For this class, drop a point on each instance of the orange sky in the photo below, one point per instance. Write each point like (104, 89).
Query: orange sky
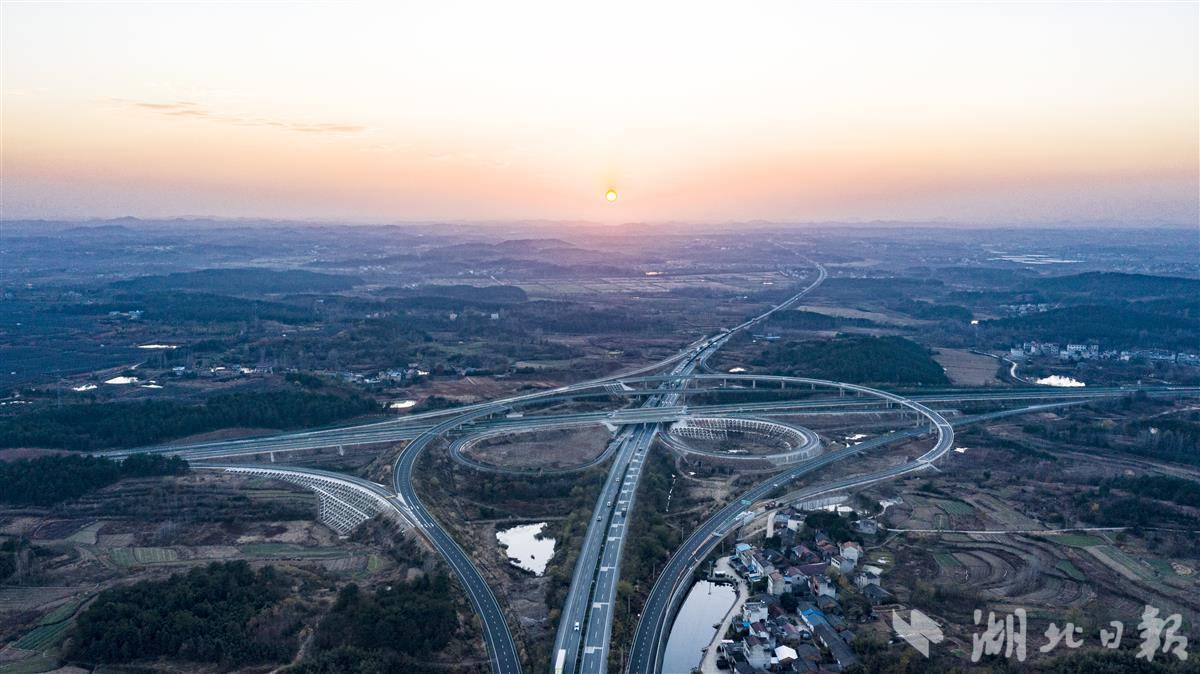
(692, 111)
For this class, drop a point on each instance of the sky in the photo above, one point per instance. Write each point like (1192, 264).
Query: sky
(691, 111)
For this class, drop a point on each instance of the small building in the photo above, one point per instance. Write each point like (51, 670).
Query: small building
(786, 655)
(821, 586)
(758, 651)
(866, 578)
(867, 527)
(776, 583)
(852, 551)
(876, 595)
(753, 611)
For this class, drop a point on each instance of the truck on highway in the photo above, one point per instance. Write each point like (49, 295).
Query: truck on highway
(560, 660)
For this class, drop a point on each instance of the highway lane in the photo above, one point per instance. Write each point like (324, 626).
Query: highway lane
(417, 427)
(585, 624)
(394, 431)
(585, 628)
(582, 619)
(502, 650)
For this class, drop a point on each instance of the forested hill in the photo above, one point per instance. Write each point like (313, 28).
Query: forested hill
(52, 479)
(136, 424)
(1113, 326)
(857, 359)
(1117, 286)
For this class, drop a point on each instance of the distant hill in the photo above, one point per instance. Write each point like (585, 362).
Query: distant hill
(241, 281)
(1114, 327)
(1115, 285)
(520, 245)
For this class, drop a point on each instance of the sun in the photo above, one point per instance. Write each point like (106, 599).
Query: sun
(611, 195)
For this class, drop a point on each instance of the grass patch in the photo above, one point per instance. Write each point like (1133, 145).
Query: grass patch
(1163, 567)
(1077, 540)
(138, 556)
(956, 508)
(946, 560)
(287, 550)
(61, 613)
(34, 665)
(881, 558)
(1121, 557)
(1071, 570)
(43, 636)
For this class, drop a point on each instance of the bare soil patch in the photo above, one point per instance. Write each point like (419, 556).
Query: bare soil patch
(555, 448)
(967, 369)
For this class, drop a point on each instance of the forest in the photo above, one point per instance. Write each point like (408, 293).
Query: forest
(1166, 438)
(53, 479)
(1115, 326)
(397, 626)
(204, 615)
(1178, 490)
(93, 426)
(891, 360)
(1116, 286)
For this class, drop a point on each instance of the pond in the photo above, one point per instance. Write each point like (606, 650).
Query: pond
(705, 606)
(525, 548)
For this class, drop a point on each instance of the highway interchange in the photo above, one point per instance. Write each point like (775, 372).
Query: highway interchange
(583, 637)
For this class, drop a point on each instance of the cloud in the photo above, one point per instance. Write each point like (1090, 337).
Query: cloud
(196, 110)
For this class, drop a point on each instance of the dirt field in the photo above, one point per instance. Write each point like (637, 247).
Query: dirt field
(150, 528)
(967, 369)
(745, 443)
(983, 534)
(556, 448)
(877, 317)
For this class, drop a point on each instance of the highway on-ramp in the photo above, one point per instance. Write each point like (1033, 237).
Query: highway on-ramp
(585, 624)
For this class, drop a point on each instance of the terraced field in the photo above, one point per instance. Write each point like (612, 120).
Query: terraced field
(43, 636)
(1069, 568)
(35, 665)
(51, 628)
(956, 508)
(288, 550)
(1077, 540)
(139, 556)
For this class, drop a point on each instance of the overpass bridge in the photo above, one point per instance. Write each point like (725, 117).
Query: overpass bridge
(345, 501)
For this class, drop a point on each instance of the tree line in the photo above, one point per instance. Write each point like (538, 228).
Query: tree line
(52, 479)
(134, 424)
(395, 628)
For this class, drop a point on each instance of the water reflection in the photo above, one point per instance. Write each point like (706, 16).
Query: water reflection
(706, 605)
(525, 549)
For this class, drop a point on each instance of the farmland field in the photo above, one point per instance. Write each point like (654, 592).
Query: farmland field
(134, 556)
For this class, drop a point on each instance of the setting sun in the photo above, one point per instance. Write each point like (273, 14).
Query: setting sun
(611, 195)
